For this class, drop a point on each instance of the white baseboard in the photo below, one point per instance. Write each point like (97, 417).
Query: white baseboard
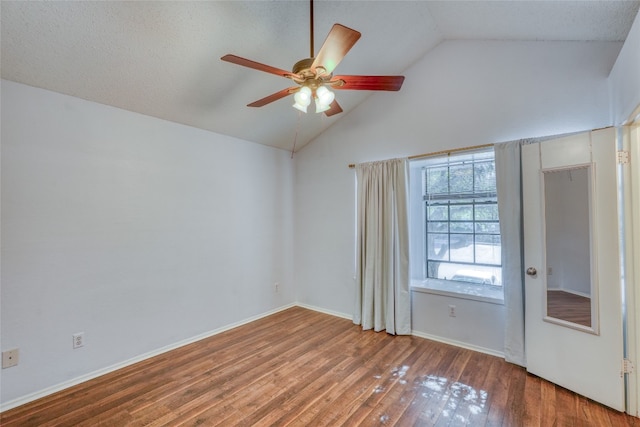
(415, 333)
(78, 380)
(325, 311)
(459, 344)
(91, 375)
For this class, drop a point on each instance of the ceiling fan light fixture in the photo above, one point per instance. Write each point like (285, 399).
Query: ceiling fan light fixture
(324, 98)
(325, 95)
(302, 108)
(302, 98)
(320, 107)
(312, 74)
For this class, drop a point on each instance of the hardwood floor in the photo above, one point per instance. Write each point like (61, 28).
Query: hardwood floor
(569, 307)
(303, 368)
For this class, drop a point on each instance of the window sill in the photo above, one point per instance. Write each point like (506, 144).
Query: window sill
(462, 290)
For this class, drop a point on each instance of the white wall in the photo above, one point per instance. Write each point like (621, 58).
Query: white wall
(138, 232)
(625, 77)
(460, 94)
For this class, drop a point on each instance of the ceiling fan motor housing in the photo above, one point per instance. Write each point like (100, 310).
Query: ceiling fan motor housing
(312, 78)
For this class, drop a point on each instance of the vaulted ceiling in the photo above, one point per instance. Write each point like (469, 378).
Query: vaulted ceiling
(162, 59)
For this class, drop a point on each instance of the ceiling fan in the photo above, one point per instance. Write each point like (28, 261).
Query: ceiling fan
(314, 75)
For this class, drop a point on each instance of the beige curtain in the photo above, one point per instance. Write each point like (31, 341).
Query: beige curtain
(383, 301)
(509, 186)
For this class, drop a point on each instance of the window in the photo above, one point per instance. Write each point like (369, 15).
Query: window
(460, 229)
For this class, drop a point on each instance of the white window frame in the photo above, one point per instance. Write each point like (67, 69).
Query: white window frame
(419, 228)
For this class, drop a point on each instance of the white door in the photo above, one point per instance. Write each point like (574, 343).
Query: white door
(573, 317)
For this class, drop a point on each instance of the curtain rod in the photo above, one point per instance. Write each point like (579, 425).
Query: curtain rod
(436, 153)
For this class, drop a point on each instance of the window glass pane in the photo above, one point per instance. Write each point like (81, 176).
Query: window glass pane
(438, 213)
(462, 221)
(488, 227)
(437, 227)
(461, 213)
(461, 178)
(461, 227)
(478, 275)
(485, 177)
(488, 249)
(437, 180)
(488, 239)
(461, 248)
(474, 274)
(486, 212)
(437, 246)
(435, 269)
(442, 270)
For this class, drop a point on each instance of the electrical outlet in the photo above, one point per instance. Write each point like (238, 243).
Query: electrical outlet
(10, 358)
(276, 286)
(78, 340)
(452, 311)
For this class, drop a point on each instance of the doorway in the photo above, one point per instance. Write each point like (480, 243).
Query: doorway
(573, 314)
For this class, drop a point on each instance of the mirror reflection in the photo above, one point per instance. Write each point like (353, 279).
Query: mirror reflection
(568, 245)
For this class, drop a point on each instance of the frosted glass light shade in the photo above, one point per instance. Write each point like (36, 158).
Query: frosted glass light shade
(302, 98)
(302, 108)
(320, 107)
(324, 98)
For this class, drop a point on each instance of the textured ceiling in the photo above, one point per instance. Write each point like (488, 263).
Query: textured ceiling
(163, 58)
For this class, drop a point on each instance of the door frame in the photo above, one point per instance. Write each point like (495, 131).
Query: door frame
(628, 140)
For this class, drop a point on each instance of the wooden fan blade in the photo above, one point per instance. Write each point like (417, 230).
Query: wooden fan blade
(334, 109)
(274, 97)
(367, 82)
(258, 66)
(339, 41)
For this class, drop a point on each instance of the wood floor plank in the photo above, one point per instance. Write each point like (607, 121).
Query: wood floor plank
(444, 401)
(366, 382)
(384, 382)
(300, 398)
(592, 414)
(515, 402)
(548, 410)
(567, 401)
(499, 394)
(427, 384)
(481, 414)
(303, 368)
(470, 396)
(403, 394)
(344, 379)
(532, 395)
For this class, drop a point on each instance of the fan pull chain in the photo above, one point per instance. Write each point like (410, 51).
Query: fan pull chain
(295, 138)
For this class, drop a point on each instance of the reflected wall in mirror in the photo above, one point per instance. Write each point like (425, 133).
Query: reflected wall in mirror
(570, 285)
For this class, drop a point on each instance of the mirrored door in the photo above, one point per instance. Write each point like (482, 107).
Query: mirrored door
(571, 250)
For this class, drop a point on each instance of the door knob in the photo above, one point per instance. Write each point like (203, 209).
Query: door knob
(531, 271)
